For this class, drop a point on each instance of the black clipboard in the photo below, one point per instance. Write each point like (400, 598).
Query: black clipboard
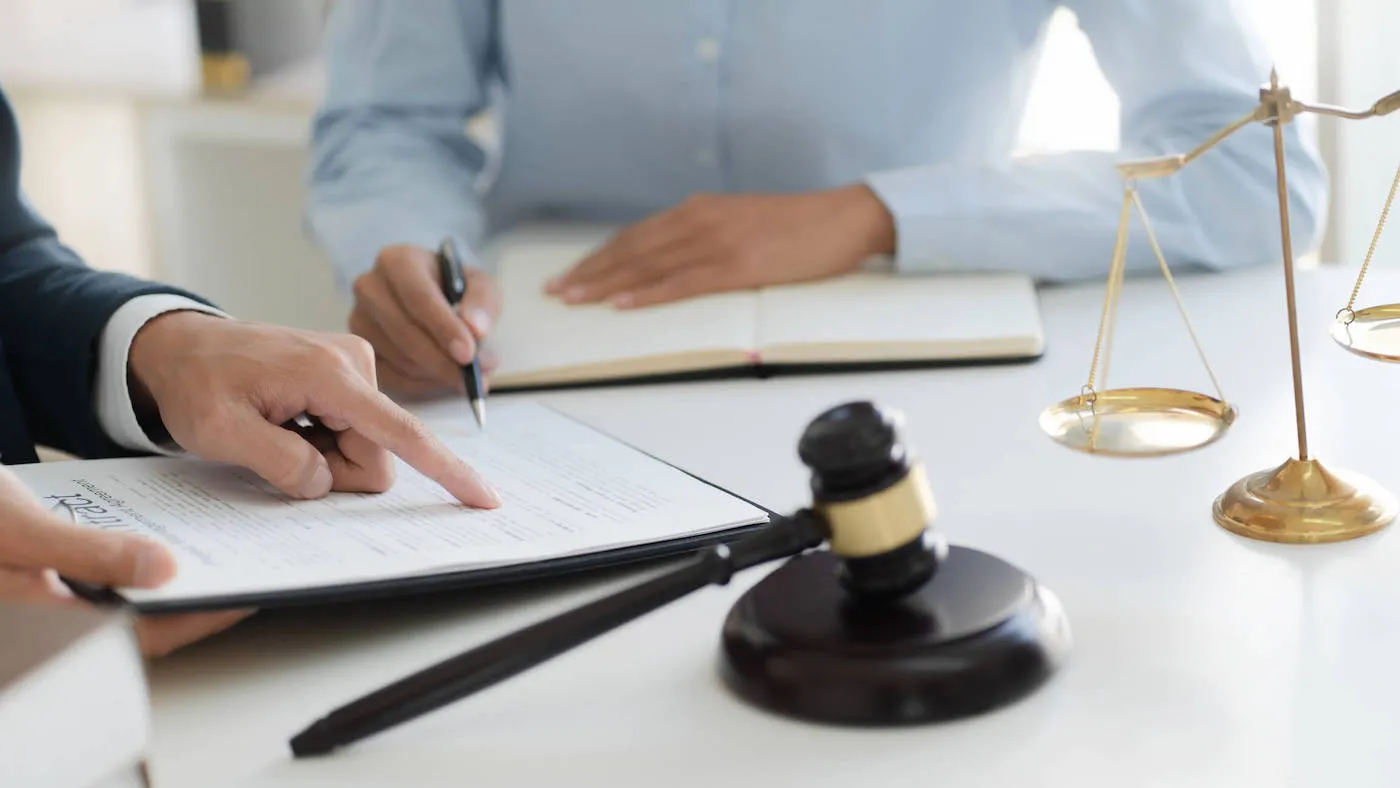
(441, 582)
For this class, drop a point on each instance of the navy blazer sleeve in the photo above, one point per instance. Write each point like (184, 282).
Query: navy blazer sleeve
(52, 311)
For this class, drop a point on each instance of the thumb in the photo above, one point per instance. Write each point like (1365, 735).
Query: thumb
(36, 540)
(281, 457)
(33, 538)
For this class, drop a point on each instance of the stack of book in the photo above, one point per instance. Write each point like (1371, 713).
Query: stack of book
(74, 706)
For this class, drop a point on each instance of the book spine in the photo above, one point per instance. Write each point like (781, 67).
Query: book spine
(224, 66)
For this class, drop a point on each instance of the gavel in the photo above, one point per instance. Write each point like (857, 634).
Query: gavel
(887, 625)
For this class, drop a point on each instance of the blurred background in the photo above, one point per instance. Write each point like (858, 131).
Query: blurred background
(151, 164)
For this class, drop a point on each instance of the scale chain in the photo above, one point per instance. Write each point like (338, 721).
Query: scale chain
(1176, 294)
(1375, 239)
(1110, 302)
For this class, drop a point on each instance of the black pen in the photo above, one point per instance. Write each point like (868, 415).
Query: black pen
(454, 287)
(471, 671)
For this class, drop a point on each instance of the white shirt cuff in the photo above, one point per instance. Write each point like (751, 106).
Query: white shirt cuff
(115, 412)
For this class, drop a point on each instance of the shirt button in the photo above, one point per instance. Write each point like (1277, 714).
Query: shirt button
(705, 158)
(707, 49)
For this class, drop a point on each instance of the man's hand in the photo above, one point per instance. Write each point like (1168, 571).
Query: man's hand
(420, 341)
(714, 243)
(37, 546)
(224, 388)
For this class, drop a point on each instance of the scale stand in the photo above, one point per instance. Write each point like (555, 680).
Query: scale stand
(1299, 500)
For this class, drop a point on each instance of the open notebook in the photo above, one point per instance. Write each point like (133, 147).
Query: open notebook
(870, 319)
(575, 498)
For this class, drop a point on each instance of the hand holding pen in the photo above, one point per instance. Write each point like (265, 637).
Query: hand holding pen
(422, 342)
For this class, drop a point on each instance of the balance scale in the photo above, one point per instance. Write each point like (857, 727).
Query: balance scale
(1300, 500)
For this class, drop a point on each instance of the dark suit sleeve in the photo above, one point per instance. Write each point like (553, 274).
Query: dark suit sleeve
(52, 311)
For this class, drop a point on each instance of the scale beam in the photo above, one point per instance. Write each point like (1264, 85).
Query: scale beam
(1384, 106)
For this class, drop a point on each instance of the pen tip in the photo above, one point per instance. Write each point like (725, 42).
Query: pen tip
(479, 408)
(315, 740)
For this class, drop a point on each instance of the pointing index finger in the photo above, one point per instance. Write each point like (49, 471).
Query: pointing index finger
(372, 414)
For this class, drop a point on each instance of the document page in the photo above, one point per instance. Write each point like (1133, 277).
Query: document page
(567, 488)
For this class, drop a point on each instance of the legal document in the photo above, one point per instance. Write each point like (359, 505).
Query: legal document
(568, 489)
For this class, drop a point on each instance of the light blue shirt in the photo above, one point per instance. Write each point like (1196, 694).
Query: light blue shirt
(610, 110)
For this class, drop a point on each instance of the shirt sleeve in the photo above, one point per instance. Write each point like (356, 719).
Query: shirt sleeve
(115, 410)
(1182, 69)
(392, 161)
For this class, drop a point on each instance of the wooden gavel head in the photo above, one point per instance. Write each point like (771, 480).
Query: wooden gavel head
(875, 499)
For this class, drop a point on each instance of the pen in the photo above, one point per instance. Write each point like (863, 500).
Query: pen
(471, 671)
(454, 287)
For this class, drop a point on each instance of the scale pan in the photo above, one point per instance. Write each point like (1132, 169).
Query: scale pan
(1374, 332)
(1138, 422)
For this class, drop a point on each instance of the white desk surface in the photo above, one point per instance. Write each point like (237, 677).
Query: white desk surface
(1201, 659)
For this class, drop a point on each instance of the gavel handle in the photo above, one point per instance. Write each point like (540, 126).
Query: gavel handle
(493, 662)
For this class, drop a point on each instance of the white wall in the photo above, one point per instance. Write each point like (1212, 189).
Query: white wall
(74, 70)
(82, 169)
(142, 45)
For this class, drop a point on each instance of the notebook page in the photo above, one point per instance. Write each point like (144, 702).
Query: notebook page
(567, 488)
(886, 316)
(539, 336)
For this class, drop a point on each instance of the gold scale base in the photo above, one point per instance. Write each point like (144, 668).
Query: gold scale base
(1302, 502)
(1297, 502)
